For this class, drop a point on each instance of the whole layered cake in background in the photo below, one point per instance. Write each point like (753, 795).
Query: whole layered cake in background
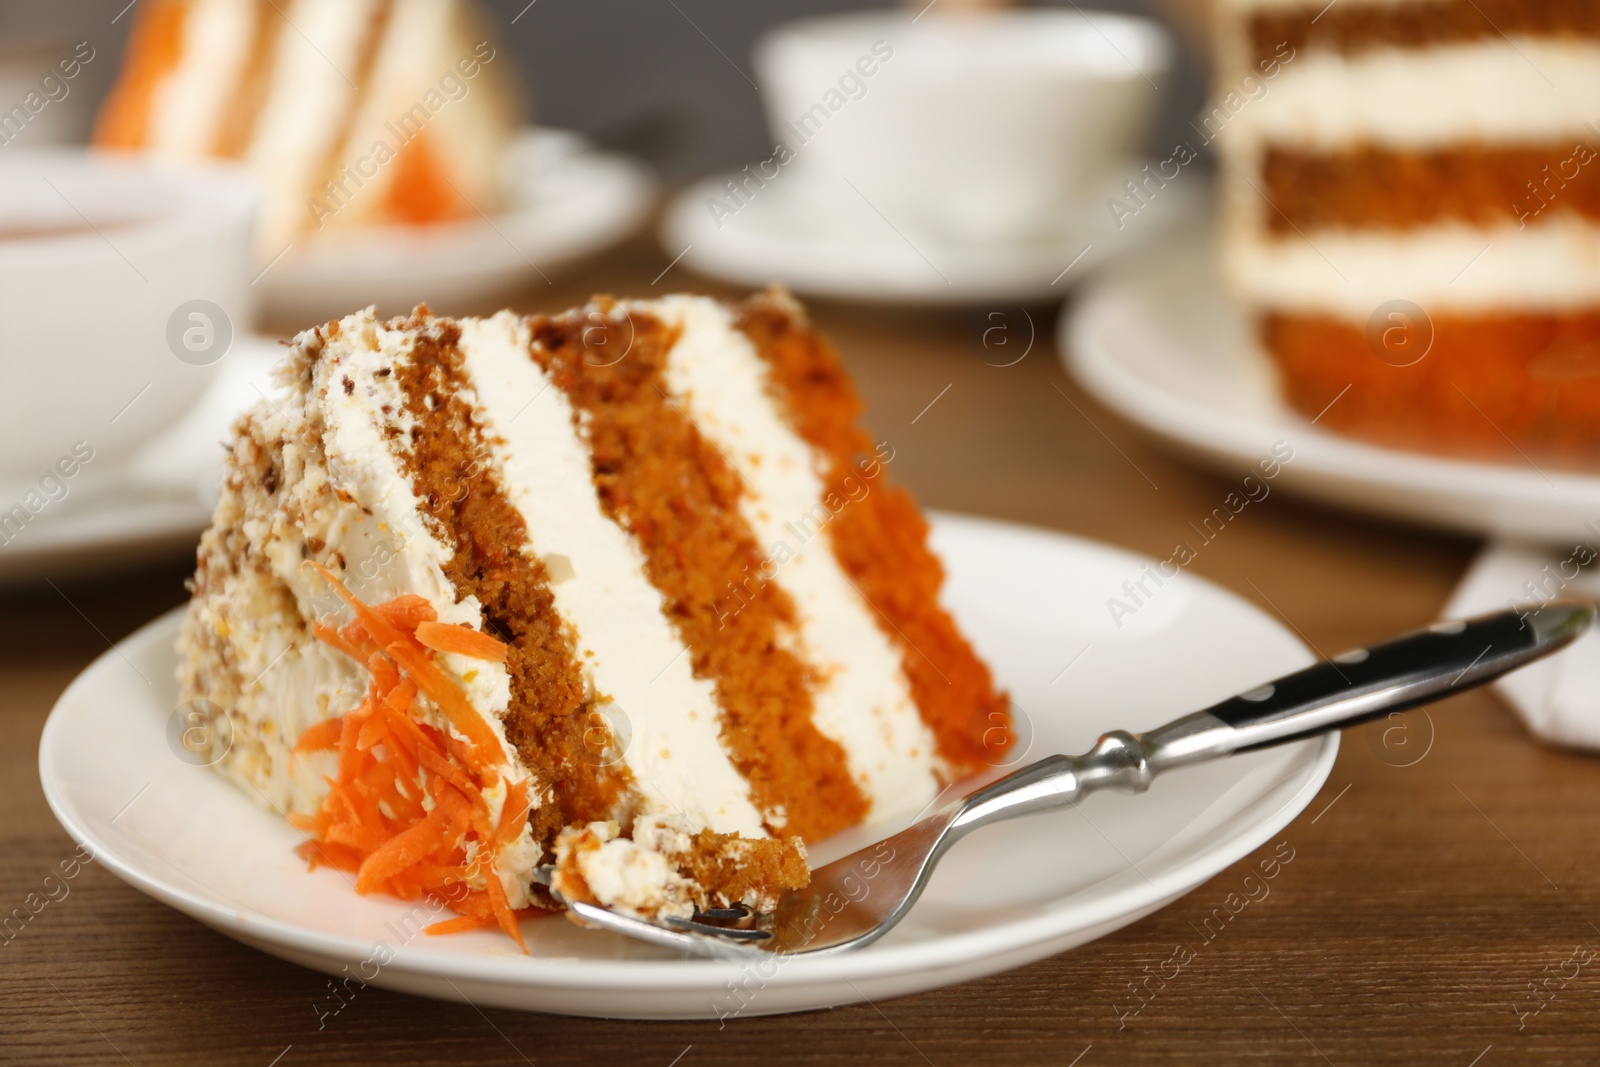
(624, 594)
(353, 112)
(1411, 211)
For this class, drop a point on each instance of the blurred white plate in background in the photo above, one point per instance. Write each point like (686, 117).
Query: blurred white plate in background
(148, 506)
(1158, 341)
(568, 201)
(833, 243)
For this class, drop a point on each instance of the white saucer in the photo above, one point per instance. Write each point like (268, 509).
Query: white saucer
(1008, 895)
(831, 243)
(569, 200)
(1157, 341)
(151, 505)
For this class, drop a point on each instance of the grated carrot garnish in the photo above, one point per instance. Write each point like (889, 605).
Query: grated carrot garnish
(318, 738)
(437, 687)
(502, 911)
(513, 814)
(405, 849)
(384, 675)
(405, 806)
(333, 638)
(462, 640)
(406, 612)
(459, 924)
(414, 660)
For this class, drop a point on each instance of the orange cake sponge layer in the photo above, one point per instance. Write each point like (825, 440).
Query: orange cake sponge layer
(1367, 186)
(1495, 386)
(1352, 27)
(969, 716)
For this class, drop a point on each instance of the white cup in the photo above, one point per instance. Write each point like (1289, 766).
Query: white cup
(122, 285)
(974, 128)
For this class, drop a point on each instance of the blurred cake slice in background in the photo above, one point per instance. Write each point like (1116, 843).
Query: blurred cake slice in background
(1411, 212)
(353, 112)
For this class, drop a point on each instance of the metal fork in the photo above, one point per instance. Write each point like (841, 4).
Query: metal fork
(852, 902)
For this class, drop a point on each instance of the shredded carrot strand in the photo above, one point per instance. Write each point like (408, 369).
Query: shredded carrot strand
(382, 631)
(403, 850)
(462, 640)
(406, 612)
(384, 674)
(405, 807)
(335, 639)
(513, 814)
(417, 663)
(372, 733)
(459, 924)
(439, 765)
(321, 737)
(502, 908)
(414, 660)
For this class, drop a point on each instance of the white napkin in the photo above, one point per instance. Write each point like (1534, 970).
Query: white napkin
(1558, 697)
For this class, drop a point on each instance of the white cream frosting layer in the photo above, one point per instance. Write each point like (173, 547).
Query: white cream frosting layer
(188, 111)
(409, 61)
(672, 732)
(309, 93)
(1518, 90)
(417, 89)
(863, 701)
(1551, 265)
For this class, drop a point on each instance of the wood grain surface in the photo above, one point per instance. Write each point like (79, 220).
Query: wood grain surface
(1425, 899)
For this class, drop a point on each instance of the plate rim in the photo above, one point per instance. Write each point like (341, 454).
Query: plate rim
(679, 975)
(1196, 426)
(637, 192)
(674, 230)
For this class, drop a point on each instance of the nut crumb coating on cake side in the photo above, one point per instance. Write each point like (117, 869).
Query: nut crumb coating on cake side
(688, 584)
(297, 488)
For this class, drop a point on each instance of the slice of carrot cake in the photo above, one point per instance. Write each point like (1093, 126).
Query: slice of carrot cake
(625, 590)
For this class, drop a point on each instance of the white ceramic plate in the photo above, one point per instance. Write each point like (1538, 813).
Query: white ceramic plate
(1010, 894)
(1156, 340)
(568, 201)
(152, 504)
(830, 242)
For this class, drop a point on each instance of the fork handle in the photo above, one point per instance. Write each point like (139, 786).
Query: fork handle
(1445, 658)
(1365, 683)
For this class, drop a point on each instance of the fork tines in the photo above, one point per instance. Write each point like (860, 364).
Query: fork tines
(710, 920)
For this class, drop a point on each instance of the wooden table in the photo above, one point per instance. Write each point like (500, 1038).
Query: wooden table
(1420, 904)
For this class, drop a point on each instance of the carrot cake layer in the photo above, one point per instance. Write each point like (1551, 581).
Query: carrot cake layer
(660, 479)
(1386, 188)
(552, 722)
(483, 596)
(870, 520)
(1503, 386)
(351, 112)
(1353, 26)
